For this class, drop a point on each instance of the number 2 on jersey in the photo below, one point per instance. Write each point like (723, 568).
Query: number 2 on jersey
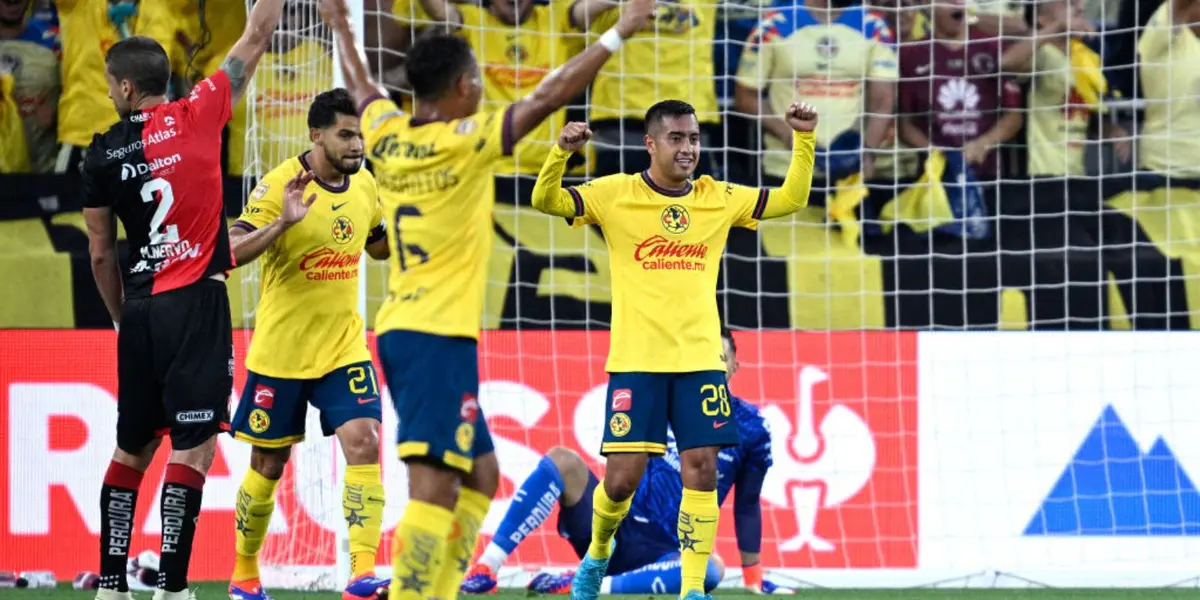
(159, 190)
(407, 210)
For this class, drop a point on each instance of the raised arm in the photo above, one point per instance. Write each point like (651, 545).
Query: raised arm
(793, 194)
(242, 59)
(569, 80)
(358, 79)
(548, 194)
(584, 12)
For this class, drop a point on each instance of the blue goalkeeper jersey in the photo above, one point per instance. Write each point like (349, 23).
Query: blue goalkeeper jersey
(661, 490)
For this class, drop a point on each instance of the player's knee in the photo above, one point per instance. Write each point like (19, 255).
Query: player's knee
(199, 458)
(269, 462)
(485, 475)
(567, 461)
(623, 474)
(140, 459)
(360, 441)
(698, 469)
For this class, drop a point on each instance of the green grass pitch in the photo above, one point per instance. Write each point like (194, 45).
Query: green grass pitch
(216, 591)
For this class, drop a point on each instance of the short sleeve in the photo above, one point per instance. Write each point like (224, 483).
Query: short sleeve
(375, 112)
(264, 206)
(882, 62)
(757, 61)
(1154, 40)
(590, 201)
(210, 102)
(494, 130)
(1051, 72)
(745, 204)
(603, 21)
(95, 190)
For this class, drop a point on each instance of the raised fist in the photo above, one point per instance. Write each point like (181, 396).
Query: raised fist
(573, 136)
(801, 116)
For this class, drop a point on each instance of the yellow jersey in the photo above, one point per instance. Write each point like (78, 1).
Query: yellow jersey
(672, 57)
(793, 56)
(513, 60)
(308, 322)
(1057, 133)
(87, 33)
(437, 188)
(285, 83)
(1170, 73)
(664, 251)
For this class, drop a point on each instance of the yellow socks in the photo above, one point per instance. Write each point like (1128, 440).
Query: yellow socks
(606, 517)
(417, 548)
(698, 515)
(469, 512)
(255, 503)
(362, 505)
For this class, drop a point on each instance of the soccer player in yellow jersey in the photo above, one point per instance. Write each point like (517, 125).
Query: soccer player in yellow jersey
(665, 236)
(309, 344)
(435, 170)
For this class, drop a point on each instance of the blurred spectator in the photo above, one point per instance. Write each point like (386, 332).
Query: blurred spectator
(89, 28)
(1169, 50)
(952, 94)
(29, 51)
(1061, 101)
(836, 57)
(671, 58)
(296, 68)
(517, 44)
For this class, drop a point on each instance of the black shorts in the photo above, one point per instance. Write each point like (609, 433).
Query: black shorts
(174, 367)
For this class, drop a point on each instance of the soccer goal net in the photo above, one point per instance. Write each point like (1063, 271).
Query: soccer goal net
(1018, 177)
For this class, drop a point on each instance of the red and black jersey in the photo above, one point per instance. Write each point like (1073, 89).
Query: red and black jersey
(160, 171)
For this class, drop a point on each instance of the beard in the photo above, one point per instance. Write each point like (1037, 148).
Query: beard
(340, 164)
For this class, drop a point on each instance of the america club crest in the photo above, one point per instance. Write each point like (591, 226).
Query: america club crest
(343, 230)
(675, 219)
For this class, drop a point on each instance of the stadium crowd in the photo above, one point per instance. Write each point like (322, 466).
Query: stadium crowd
(984, 129)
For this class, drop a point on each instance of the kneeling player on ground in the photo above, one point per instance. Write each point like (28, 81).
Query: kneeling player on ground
(311, 218)
(646, 556)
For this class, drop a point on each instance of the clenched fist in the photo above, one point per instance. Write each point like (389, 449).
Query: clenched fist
(573, 136)
(801, 116)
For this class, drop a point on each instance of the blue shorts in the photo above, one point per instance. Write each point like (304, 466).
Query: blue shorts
(637, 544)
(272, 410)
(434, 382)
(640, 405)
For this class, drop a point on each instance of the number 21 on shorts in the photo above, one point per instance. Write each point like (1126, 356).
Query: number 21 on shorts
(716, 400)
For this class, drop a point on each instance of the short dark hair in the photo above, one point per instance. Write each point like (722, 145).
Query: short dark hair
(667, 108)
(325, 108)
(141, 61)
(435, 62)
(726, 334)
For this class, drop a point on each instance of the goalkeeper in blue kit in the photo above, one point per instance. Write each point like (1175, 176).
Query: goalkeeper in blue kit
(645, 558)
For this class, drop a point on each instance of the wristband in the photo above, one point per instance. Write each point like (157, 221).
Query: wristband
(611, 40)
(752, 575)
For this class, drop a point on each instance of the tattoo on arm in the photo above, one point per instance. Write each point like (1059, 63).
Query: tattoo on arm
(235, 68)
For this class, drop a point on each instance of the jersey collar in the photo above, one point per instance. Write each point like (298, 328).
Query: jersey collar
(687, 189)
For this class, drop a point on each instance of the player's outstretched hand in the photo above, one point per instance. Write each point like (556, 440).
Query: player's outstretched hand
(634, 17)
(334, 11)
(801, 116)
(573, 136)
(295, 205)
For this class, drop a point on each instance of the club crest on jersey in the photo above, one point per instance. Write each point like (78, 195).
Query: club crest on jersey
(259, 421)
(619, 424)
(464, 436)
(343, 230)
(260, 191)
(675, 219)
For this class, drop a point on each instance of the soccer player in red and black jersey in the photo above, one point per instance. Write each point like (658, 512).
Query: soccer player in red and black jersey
(158, 170)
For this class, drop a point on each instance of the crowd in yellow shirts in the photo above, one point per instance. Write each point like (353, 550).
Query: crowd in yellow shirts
(1038, 84)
